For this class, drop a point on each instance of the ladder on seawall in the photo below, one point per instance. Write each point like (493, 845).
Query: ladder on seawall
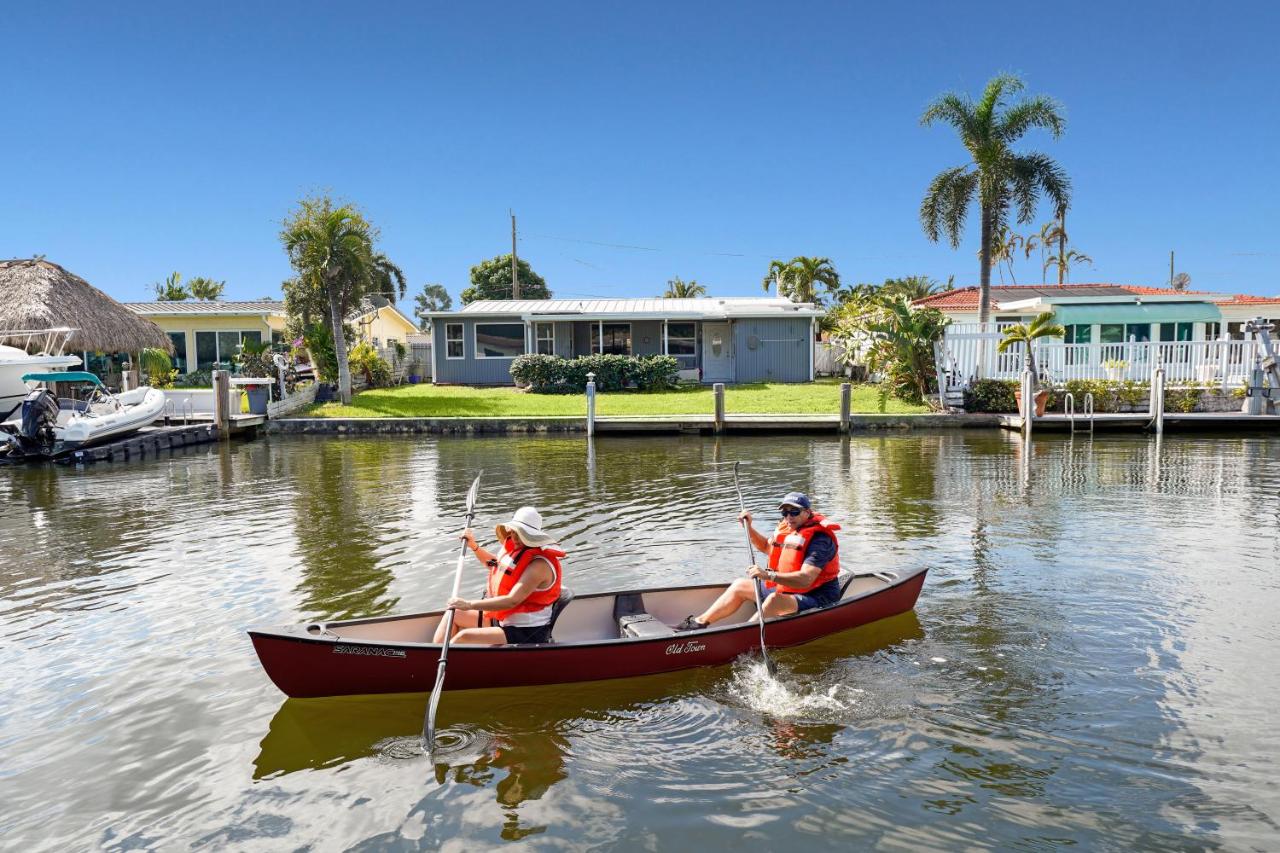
(1069, 408)
(1266, 364)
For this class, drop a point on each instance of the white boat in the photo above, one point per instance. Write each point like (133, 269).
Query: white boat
(46, 427)
(16, 362)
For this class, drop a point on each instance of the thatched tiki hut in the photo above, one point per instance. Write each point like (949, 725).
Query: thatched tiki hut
(37, 294)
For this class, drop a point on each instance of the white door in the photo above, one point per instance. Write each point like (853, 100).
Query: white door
(717, 352)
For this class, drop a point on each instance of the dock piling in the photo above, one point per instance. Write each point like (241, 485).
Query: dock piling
(846, 400)
(591, 405)
(718, 390)
(1156, 404)
(221, 402)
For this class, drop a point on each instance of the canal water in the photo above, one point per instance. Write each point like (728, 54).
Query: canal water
(1093, 660)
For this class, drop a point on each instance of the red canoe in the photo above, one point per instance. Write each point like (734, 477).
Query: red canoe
(599, 636)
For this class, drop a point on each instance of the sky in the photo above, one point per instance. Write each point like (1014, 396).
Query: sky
(634, 142)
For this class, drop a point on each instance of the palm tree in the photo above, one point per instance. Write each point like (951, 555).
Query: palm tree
(1064, 262)
(206, 289)
(1002, 180)
(331, 248)
(905, 335)
(171, 289)
(1003, 247)
(388, 279)
(1021, 333)
(913, 287)
(799, 278)
(678, 289)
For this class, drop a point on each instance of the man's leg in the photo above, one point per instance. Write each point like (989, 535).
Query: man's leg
(729, 601)
(779, 604)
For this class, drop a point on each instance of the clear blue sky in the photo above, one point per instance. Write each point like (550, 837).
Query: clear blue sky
(140, 139)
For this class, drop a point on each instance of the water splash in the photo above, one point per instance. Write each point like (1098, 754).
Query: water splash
(451, 743)
(787, 696)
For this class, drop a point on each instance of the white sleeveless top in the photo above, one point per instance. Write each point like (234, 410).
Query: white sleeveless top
(534, 618)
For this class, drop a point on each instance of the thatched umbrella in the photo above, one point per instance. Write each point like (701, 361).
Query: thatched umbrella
(37, 294)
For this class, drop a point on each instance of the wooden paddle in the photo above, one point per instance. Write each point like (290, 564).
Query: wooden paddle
(755, 584)
(429, 724)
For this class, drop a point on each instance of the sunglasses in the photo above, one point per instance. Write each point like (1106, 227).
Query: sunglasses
(790, 512)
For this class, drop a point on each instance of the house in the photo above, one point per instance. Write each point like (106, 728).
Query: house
(380, 323)
(734, 339)
(1116, 331)
(1112, 313)
(206, 333)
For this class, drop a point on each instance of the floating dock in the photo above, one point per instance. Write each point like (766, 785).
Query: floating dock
(1140, 421)
(151, 441)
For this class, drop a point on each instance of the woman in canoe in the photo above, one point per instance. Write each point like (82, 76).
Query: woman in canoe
(524, 584)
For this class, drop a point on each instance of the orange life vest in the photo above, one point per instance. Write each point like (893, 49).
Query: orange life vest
(786, 552)
(511, 565)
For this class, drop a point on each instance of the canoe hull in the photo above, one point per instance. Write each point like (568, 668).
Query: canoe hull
(309, 666)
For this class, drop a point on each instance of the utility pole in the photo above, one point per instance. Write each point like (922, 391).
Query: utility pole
(1170, 268)
(515, 269)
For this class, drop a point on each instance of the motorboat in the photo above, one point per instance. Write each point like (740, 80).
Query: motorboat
(45, 427)
(17, 360)
(594, 637)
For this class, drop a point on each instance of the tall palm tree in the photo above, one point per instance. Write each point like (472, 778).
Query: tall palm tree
(678, 289)
(171, 289)
(1003, 181)
(799, 279)
(1064, 261)
(206, 289)
(331, 248)
(388, 279)
(912, 287)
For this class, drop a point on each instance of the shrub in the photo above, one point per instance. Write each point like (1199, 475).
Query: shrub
(194, 379)
(365, 359)
(991, 395)
(550, 374)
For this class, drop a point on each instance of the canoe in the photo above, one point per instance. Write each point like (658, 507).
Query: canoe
(595, 637)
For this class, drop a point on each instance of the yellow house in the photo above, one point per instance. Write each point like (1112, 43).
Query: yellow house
(205, 334)
(384, 326)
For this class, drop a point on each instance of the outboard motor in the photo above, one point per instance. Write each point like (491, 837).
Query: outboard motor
(39, 417)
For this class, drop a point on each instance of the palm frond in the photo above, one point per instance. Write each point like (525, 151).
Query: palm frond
(946, 204)
(1035, 173)
(1040, 111)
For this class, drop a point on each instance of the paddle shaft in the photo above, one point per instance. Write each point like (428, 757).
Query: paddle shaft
(751, 555)
(429, 728)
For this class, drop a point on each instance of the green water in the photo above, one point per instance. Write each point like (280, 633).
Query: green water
(1092, 660)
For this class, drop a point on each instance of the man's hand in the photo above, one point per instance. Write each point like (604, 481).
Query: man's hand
(757, 573)
(460, 604)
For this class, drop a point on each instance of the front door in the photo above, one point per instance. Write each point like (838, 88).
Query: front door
(717, 352)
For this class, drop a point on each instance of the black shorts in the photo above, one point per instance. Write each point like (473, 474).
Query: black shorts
(823, 596)
(519, 635)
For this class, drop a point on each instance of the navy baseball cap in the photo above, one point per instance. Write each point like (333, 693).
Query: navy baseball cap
(799, 499)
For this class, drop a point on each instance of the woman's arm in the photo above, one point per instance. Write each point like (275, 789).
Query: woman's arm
(539, 573)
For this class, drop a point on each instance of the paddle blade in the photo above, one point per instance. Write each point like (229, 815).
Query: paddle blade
(473, 493)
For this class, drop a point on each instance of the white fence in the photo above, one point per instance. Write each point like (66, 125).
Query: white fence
(1223, 362)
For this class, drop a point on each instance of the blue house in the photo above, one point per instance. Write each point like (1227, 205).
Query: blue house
(734, 339)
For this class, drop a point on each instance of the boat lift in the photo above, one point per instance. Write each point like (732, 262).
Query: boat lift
(1262, 393)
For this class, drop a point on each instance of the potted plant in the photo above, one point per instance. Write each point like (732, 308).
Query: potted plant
(1115, 368)
(1026, 334)
(255, 361)
(415, 373)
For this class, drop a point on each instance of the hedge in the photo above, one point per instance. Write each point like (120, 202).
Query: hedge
(997, 395)
(551, 374)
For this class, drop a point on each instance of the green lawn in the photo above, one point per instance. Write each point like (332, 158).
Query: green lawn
(456, 401)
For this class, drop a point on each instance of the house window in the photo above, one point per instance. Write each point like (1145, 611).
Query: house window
(1080, 333)
(1139, 332)
(217, 350)
(545, 342)
(1176, 332)
(206, 350)
(1212, 331)
(1112, 333)
(616, 340)
(179, 340)
(453, 340)
(682, 339)
(499, 340)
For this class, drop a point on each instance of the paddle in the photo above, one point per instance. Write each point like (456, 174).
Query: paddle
(429, 724)
(751, 555)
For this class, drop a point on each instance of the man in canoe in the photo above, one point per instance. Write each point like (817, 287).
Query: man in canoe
(524, 583)
(803, 565)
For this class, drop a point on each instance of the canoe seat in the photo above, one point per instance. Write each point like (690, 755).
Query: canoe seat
(634, 622)
(566, 595)
(845, 580)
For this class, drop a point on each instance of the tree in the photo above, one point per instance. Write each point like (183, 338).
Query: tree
(171, 289)
(678, 289)
(432, 298)
(1064, 262)
(1021, 333)
(799, 279)
(912, 287)
(896, 338)
(1002, 180)
(388, 279)
(491, 279)
(206, 289)
(331, 249)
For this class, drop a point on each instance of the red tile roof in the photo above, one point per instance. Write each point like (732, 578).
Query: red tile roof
(966, 298)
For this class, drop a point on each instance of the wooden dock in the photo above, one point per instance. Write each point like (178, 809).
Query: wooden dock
(1139, 421)
(148, 442)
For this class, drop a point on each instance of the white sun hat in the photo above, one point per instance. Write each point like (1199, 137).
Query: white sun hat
(526, 524)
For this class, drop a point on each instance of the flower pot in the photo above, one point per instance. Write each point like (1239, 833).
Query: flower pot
(414, 379)
(259, 396)
(1042, 400)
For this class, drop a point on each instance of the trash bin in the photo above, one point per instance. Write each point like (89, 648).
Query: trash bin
(259, 396)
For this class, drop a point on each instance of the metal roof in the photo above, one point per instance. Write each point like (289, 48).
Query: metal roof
(706, 307)
(208, 307)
